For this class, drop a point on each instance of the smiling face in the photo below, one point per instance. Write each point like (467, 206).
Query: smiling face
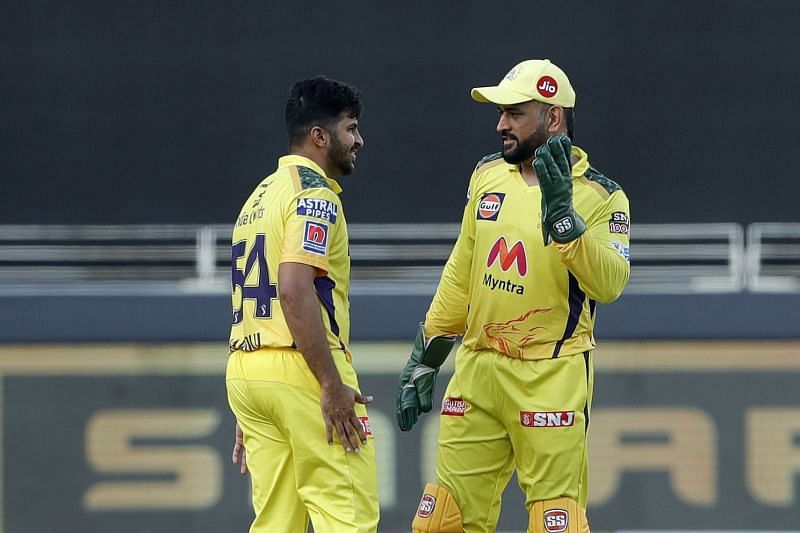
(523, 128)
(345, 142)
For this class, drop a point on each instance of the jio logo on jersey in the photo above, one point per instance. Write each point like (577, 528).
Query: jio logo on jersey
(490, 204)
(556, 520)
(500, 253)
(315, 238)
(547, 86)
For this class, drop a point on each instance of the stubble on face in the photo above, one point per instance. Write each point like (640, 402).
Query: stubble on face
(341, 155)
(526, 147)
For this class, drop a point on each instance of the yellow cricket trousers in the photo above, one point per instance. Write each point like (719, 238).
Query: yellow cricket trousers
(500, 414)
(296, 475)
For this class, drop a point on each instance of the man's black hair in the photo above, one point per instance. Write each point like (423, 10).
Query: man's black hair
(319, 101)
(569, 117)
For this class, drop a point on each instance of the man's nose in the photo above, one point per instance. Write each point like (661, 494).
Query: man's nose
(501, 124)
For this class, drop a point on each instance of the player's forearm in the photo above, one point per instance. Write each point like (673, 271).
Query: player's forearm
(447, 314)
(601, 270)
(303, 315)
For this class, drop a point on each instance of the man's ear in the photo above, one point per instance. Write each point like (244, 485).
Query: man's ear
(319, 136)
(556, 120)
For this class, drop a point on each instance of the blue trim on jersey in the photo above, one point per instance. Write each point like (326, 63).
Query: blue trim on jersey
(324, 287)
(576, 298)
(586, 405)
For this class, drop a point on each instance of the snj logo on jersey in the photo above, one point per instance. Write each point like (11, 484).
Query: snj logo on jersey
(315, 238)
(516, 255)
(318, 208)
(490, 204)
(552, 419)
(426, 505)
(556, 520)
(454, 406)
(547, 86)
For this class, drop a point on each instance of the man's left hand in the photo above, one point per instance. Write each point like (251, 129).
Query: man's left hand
(552, 163)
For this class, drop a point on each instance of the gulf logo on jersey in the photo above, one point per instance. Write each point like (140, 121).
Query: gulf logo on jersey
(490, 204)
(508, 257)
(556, 520)
(315, 238)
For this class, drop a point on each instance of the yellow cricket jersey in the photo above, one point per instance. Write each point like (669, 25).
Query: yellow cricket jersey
(502, 289)
(294, 215)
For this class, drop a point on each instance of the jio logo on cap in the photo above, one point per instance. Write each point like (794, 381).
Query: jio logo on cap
(547, 86)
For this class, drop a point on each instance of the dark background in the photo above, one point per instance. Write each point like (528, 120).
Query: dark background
(164, 112)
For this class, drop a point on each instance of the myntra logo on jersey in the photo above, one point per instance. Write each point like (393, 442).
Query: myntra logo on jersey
(490, 204)
(508, 257)
(426, 505)
(556, 520)
(454, 406)
(552, 419)
(317, 208)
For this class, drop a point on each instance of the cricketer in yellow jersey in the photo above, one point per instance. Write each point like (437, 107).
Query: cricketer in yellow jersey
(544, 237)
(289, 344)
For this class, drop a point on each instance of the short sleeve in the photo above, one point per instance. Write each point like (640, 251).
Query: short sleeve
(310, 220)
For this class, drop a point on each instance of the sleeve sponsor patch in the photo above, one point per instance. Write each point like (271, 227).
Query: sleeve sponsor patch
(622, 249)
(489, 205)
(315, 238)
(619, 223)
(318, 208)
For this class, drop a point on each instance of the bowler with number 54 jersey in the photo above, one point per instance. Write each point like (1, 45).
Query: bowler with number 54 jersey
(289, 344)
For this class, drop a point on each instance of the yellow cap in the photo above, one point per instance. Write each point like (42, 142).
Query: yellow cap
(534, 79)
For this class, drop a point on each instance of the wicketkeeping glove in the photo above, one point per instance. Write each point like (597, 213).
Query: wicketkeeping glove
(417, 381)
(552, 164)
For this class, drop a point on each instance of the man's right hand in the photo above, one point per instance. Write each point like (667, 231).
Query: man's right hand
(337, 410)
(239, 455)
(418, 378)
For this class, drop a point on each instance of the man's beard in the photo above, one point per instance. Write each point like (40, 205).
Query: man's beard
(341, 156)
(526, 148)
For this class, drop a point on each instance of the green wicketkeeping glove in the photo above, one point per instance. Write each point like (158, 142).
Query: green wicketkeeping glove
(417, 381)
(552, 164)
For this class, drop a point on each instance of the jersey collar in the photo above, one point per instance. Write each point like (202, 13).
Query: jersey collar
(580, 166)
(302, 161)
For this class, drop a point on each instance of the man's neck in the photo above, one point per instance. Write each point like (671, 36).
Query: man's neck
(529, 173)
(315, 156)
